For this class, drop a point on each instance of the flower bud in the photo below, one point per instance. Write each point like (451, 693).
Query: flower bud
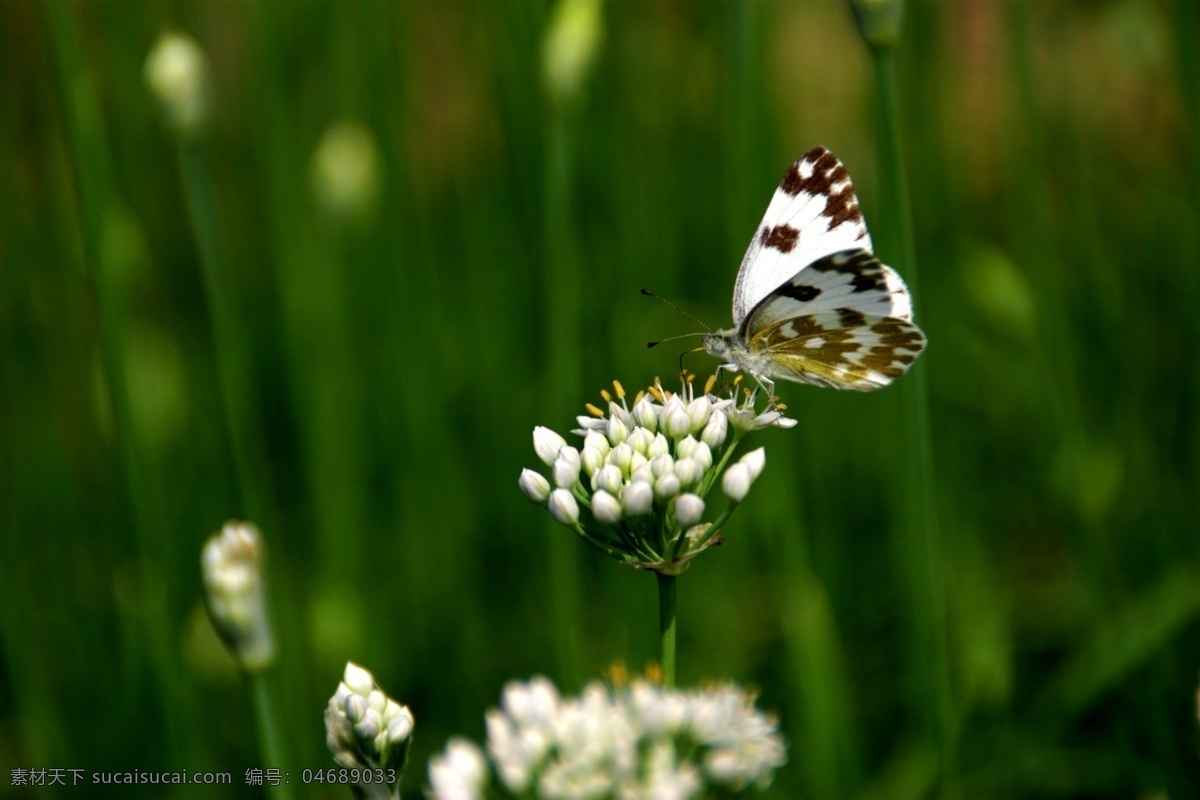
(667, 486)
(622, 457)
(597, 441)
(702, 456)
(534, 485)
(637, 498)
(642, 474)
(736, 482)
(608, 478)
(659, 447)
(591, 459)
(547, 443)
(640, 439)
(176, 73)
(688, 471)
(685, 447)
(755, 460)
(661, 464)
(570, 48)
(645, 413)
(616, 430)
(231, 565)
(345, 171)
(458, 772)
(715, 431)
(879, 21)
(698, 411)
(563, 507)
(364, 728)
(689, 508)
(606, 508)
(675, 420)
(566, 467)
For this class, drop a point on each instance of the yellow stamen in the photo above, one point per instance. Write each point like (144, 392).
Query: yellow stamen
(654, 672)
(619, 390)
(595, 412)
(709, 384)
(638, 398)
(617, 674)
(607, 397)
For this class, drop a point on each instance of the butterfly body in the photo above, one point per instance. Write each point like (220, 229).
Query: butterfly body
(812, 304)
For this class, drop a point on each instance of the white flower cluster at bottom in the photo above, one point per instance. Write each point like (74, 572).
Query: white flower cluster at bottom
(638, 741)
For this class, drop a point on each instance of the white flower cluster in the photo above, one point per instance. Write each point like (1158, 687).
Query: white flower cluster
(231, 566)
(365, 729)
(639, 741)
(645, 471)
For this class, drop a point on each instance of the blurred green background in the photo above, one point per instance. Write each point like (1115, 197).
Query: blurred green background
(192, 332)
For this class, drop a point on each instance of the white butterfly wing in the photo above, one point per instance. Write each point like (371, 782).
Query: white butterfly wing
(850, 279)
(814, 213)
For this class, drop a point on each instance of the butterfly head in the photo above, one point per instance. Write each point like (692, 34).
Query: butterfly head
(721, 344)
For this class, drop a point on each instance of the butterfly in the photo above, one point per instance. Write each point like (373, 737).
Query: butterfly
(812, 303)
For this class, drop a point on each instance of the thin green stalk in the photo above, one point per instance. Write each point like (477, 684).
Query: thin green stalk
(925, 569)
(563, 308)
(229, 340)
(269, 743)
(666, 626)
(88, 147)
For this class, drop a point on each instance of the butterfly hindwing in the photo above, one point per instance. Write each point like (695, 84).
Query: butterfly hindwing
(842, 348)
(847, 279)
(813, 213)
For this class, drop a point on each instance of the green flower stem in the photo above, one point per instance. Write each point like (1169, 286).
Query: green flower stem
(564, 335)
(923, 546)
(237, 392)
(720, 468)
(601, 545)
(269, 743)
(98, 201)
(666, 626)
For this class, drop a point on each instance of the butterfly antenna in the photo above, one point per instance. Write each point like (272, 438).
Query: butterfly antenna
(673, 338)
(692, 317)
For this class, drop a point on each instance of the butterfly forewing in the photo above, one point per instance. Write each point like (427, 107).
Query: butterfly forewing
(847, 279)
(842, 348)
(813, 213)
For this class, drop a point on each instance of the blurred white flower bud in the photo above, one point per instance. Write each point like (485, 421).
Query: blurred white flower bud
(566, 467)
(698, 411)
(606, 508)
(689, 508)
(459, 773)
(346, 171)
(177, 74)
(645, 413)
(667, 486)
(736, 482)
(689, 472)
(755, 460)
(715, 430)
(675, 420)
(570, 47)
(616, 430)
(608, 478)
(563, 507)
(534, 485)
(231, 563)
(547, 443)
(637, 498)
